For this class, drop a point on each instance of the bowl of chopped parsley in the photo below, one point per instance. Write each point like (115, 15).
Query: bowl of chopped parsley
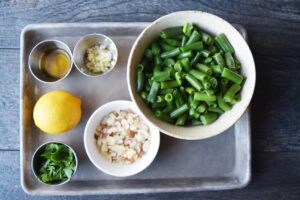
(54, 163)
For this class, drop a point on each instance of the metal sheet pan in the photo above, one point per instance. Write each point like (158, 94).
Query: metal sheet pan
(221, 162)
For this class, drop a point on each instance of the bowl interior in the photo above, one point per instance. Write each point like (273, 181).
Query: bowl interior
(102, 163)
(213, 25)
(88, 41)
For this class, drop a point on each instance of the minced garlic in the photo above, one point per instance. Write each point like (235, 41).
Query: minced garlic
(98, 59)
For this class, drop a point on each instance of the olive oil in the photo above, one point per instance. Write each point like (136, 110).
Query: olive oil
(55, 63)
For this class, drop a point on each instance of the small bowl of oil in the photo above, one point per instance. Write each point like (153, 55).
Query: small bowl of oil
(50, 61)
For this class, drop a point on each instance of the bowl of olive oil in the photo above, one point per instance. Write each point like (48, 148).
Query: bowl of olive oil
(50, 61)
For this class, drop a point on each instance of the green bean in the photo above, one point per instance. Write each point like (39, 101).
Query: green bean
(183, 93)
(169, 108)
(237, 98)
(156, 69)
(229, 95)
(195, 36)
(223, 43)
(209, 92)
(196, 115)
(186, 64)
(222, 104)
(178, 77)
(155, 49)
(206, 85)
(213, 49)
(179, 111)
(187, 29)
(216, 110)
(170, 32)
(194, 104)
(181, 120)
(207, 39)
(229, 60)
(170, 54)
(188, 54)
(160, 98)
(172, 42)
(158, 60)
(140, 81)
(163, 116)
(196, 122)
(196, 58)
(153, 92)
(165, 91)
(178, 98)
(214, 82)
(207, 60)
(201, 108)
(204, 97)
(192, 46)
(144, 95)
(211, 104)
(169, 62)
(149, 54)
(199, 75)
(178, 66)
(168, 97)
(162, 76)
(190, 90)
(204, 68)
(166, 47)
(193, 82)
(205, 53)
(208, 118)
(217, 69)
(219, 59)
(183, 40)
(169, 84)
(192, 112)
(142, 66)
(158, 105)
(231, 75)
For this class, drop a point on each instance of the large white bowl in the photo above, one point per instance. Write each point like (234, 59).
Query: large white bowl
(213, 25)
(102, 163)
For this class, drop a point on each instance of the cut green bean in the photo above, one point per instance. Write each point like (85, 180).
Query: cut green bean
(166, 47)
(163, 116)
(188, 54)
(196, 122)
(196, 59)
(224, 43)
(229, 60)
(205, 53)
(232, 76)
(183, 40)
(178, 77)
(170, 54)
(192, 46)
(181, 120)
(206, 38)
(199, 75)
(160, 98)
(178, 98)
(179, 111)
(213, 81)
(193, 82)
(153, 92)
(162, 76)
(204, 97)
(186, 64)
(169, 84)
(206, 85)
(140, 81)
(190, 90)
(149, 54)
(178, 66)
(208, 118)
(187, 29)
(169, 62)
(183, 93)
(201, 108)
(172, 42)
(144, 95)
(158, 105)
(194, 104)
(142, 66)
(156, 69)
(195, 37)
(168, 97)
(229, 95)
(216, 110)
(219, 59)
(204, 68)
(207, 60)
(165, 91)
(170, 32)
(213, 49)
(169, 108)
(217, 69)
(222, 104)
(155, 49)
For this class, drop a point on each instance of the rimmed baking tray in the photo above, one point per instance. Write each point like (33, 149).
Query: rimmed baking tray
(217, 163)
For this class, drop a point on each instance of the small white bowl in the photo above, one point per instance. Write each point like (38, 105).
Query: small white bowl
(213, 25)
(114, 169)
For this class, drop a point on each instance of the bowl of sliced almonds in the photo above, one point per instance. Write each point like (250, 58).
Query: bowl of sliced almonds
(119, 140)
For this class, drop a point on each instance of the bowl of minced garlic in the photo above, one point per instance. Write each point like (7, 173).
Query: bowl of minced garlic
(95, 55)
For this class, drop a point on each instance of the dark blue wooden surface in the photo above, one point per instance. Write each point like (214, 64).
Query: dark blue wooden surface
(273, 27)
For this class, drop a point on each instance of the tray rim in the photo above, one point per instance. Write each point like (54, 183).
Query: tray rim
(29, 191)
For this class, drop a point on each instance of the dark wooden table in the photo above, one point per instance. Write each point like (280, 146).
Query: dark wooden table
(274, 33)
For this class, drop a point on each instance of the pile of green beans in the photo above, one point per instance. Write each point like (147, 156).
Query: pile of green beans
(189, 77)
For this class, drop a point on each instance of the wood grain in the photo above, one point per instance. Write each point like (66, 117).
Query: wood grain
(276, 176)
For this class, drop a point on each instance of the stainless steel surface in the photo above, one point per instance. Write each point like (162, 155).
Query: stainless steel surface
(35, 59)
(88, 41)
(37, 153)
(221, 162)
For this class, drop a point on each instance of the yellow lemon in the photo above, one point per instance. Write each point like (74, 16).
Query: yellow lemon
(57, 111)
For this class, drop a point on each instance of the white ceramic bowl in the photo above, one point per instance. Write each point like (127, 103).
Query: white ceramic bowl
(213, 25)
(102, 163)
